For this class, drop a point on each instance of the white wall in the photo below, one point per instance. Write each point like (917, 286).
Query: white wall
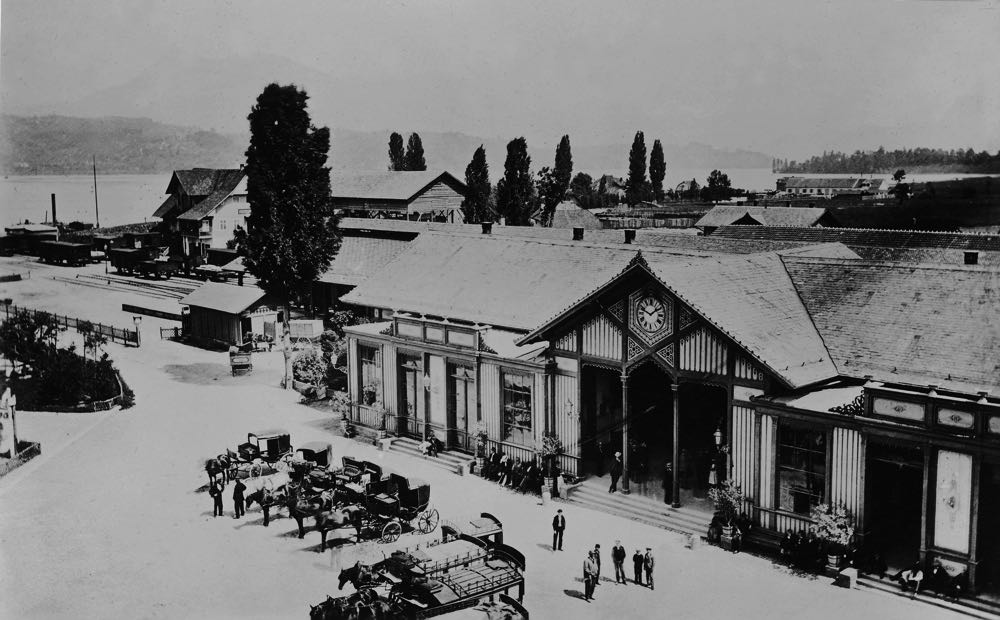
(227, 217)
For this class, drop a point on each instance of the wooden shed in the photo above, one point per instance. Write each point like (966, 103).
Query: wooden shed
(224, 313)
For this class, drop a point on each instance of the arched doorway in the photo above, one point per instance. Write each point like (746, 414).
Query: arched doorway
(703, 429)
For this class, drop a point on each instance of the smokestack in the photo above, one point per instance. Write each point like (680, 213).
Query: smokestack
(629, 235)
(578, 233)
(54, 220)
(487, 228)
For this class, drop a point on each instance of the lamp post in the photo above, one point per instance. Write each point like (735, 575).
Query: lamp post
(138, 333)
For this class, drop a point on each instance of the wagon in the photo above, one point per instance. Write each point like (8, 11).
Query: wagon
(394, 503)
(271, 448)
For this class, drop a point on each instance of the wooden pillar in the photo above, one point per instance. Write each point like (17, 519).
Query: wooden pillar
(974, 523)
(625, 417)
(925, 504)
(676, 497)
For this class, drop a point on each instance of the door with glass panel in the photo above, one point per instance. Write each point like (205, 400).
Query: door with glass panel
(411, 402)
(461, 406)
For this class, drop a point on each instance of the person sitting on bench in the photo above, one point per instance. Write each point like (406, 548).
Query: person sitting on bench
(911, 577)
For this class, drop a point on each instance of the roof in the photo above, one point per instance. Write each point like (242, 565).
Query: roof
(168, 205)
(911, 324)
(569, 215)
(825, 182)
(504, 344)
(227, 183)
(224, 297)
(31, 228)
(821, 400)
(723, 215)
(890, 238)
(360, 256)
(385, 185)
(207, 187)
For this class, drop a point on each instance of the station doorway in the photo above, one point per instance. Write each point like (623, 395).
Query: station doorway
(988, 538)
(894, 488)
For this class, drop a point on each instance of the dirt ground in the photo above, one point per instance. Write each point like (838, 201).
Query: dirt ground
(113, 521)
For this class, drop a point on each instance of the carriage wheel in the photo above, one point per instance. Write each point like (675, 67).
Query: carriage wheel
(391, 532)
(428, 520)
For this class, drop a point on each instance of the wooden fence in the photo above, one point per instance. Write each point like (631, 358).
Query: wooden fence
(114, 334)
(26, 451)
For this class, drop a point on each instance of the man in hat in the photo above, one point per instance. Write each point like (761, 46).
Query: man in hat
(239, 503)
(558, 526)
(597, 561)
(618, 557)
(616, 472)
(589, 577)
(648, 563)
(637, 561)
(216, 492)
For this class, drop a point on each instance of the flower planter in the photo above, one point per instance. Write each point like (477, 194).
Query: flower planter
(548, 484)
(726, 540)
(480, 462)
(833, 564)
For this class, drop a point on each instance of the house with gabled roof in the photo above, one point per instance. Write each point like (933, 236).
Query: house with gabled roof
(740, 215)
(203, 207)
(805, 374)
(426, 195)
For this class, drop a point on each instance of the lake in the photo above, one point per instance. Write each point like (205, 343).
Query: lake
(131, 198)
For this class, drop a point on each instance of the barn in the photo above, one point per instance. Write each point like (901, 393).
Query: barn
(424, 195)
(223, 313)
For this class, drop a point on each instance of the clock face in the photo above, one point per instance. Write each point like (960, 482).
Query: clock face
(650, 313)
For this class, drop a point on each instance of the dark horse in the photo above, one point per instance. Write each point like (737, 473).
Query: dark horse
(219, 466)
(335, 519)
(363, 605)
(360, 575)
(267, 498)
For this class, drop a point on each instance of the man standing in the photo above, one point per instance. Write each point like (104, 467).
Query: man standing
(597, 562)
(637, 562)
(616, 472)
(558, 526)
(216, 492)
(239, 503)
(618, 557)
(648, 564)
(589, 577)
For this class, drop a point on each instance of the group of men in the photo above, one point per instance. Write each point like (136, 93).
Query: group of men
(524, 476)
(642, 564)
(216, 489)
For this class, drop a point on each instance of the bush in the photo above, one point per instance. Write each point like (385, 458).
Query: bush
(728, 498)
(309, 367)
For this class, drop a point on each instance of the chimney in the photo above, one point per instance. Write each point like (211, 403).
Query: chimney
(971, 258)
(578, 233)
(629, 235)
(487, 228)
(54, 220)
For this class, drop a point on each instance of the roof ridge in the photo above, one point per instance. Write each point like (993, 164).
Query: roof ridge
(897, 265)
(857, 229)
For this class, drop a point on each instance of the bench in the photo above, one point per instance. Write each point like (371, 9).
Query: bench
(764, 540)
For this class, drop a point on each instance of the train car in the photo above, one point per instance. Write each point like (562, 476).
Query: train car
(64, 252)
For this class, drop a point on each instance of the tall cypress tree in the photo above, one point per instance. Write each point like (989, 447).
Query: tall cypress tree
(414, 157)
(563, 170)
(476, 206)
(515, 189)
(553, 183)
(397, 157)
(291, 235)
(635, 186)
(657, 170)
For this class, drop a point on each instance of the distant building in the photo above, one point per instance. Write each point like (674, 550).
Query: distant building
(426, 195)
(828, 186)
(613, 186)
(204, 206)
(223, 313)
(727, 215)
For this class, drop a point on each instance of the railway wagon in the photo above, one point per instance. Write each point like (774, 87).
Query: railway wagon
(64, 252)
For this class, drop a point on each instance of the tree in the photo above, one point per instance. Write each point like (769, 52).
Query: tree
(515, 189)
(899, 175)
(636, 188)
(582, 189)
(657, 170)
(718, 188)
(414, 158)
(553, 183)
(476, 206)
(563, 170)
(397, 157)
(291, 237)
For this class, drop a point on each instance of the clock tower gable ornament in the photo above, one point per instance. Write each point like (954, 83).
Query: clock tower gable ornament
(651, 316)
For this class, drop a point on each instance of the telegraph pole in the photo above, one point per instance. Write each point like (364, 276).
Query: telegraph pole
(97, 212)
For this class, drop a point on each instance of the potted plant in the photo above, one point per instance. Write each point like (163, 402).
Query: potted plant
(340, 404)
(369, 394)
(381, 415)
(728, 498)
(482, 436)
(550, 450)
(835, 527)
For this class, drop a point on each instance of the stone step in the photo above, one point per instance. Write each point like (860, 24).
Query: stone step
(641, 504)
(972, 608)
(445, 460)
(651, 513)
(447, 455)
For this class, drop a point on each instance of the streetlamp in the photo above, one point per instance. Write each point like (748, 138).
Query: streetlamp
(138, 334)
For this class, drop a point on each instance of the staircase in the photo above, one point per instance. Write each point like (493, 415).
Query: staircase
(974, 608)
(593, 493)
(455, 462)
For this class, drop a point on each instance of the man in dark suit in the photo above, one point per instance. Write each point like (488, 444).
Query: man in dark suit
(558, 526)
(597, 562)
(637, 562)
(616, 472)
(648, 563)
(216, 492)
(618, 557)
(239, 503)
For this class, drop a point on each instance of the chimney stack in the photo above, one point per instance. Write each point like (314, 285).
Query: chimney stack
(971, 258)
(578, 233)
(629, 235)
(54, 220)
(487, 228)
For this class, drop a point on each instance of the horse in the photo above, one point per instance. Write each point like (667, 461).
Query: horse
(359, 575)
(337, 518)
(363, 605)
(218, 466)
(267, 492)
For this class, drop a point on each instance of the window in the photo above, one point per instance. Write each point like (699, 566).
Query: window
(370, 361)
(517, 409)
(801, 468)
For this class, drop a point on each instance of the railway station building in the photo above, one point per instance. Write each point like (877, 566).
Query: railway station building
(804, 372)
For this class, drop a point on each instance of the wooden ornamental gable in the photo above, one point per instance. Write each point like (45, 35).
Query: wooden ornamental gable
(703, 351)
(651, 315)
(666, 354)
(567, 342)
(747, 370)
(687, 319)
(602, 338)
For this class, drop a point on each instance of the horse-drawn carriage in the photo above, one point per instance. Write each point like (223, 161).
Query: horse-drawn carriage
(271, 449)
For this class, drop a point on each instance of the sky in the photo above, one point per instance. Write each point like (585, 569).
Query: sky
(788, 78)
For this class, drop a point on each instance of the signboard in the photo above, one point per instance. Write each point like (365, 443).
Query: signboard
(8, 440)
(898, 409)
(953, 501)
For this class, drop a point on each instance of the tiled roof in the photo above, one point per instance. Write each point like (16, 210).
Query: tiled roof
(360, 256)
(203, 181)
(824, 182)
(909, 324)
(723, 215)
(167, 206)
(569, 215)
(226, 182)
(645, 237)
(223, 297)
(386, 185)
(865, 236)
